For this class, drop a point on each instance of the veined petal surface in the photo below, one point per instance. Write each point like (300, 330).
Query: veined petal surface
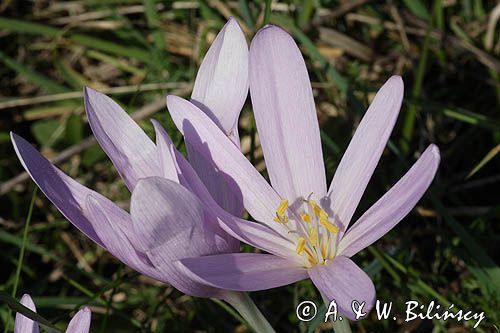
(285, 115)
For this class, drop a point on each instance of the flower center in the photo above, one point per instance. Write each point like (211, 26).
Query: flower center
(312, 229)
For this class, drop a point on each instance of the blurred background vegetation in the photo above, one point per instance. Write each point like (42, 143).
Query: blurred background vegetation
(139, 51)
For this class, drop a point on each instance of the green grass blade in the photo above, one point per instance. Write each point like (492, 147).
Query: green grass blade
(418, 8)
(267, 12)
(247, 14)
(18, 307)
(409, 122)
(28, 27)
(21, 254)
(112, 48)
(84, 40)
(305, 12)
(491, 154)
(332, 73)
(36, 78)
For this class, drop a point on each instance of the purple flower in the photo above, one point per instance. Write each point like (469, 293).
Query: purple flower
(301, 224)
(80, 323)
(167, 220)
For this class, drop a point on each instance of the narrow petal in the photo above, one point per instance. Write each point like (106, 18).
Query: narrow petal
(190, 180)
(364, 151)
(220, 90)
(222, 188)
(343, 281)
(221, 85)
(65, 193)
(22, 323)
(116, 241)
(201, 133)
(285, 115)
(243, 271)
(261, 237)
(393, 206)
(80, 322)
(131, 150)
(170, 225)
(163, 146)
(255, 234)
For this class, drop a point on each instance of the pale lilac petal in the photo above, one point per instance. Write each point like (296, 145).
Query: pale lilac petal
(393, 206)
(251, 233)
(343, 281)
(221, 85)
(80, 322)
(260, 236)
(199, 131)
(190, 180)
(166, 159)
(243, 271)
(170, 224)
(364, 151)
(222, 188)
(66, 194)
(220, 90)
(116, 240)
(24, 324)
(285, 115)
(131, 150)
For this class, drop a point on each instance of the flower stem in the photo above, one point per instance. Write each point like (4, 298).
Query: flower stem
(342, 326)
(249, 311)
(339, 326)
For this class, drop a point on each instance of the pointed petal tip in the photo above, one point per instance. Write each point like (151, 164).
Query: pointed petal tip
(394, 82)
(233, 22)
(271, 31)
(270, 27)
(89, 93)
(18, 142)
(84, 313)
(172, 99)
(86, 310)
(144, 186)
(90, 201)
(175, 103)
(435, 152)
(435, 149)
(156, 123)
(13, 137)
(27, 301)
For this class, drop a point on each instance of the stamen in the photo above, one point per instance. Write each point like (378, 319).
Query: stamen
(281, 219)
(282, 208)
(305, 217)
(311, 258)
(330, 226)
(301, 245)
(320, 212)
(313, 236)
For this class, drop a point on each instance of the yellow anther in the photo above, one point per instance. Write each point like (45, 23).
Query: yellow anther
(305, 217)
(301, 245)
(323, 250)
(311, 258)
(313, 236)
(281, 219)
(318, 211)
(330, 226)
(282, 208)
